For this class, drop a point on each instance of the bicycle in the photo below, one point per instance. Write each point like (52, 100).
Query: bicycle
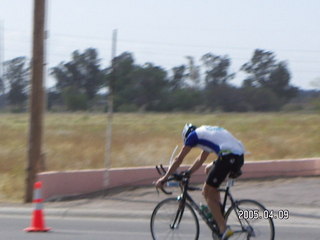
(176, 218)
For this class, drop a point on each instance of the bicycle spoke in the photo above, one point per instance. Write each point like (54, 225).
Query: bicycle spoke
(167, 222)
(249, 227)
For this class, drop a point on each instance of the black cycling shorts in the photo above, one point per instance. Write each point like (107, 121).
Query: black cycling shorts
(222, 167)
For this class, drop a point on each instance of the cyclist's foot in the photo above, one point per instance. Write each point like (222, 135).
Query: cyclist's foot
(227, 233)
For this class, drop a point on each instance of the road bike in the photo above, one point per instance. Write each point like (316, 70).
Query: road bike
(176, 218)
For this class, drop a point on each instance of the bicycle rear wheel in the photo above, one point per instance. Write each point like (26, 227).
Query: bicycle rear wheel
(248, 220)
(169, 220)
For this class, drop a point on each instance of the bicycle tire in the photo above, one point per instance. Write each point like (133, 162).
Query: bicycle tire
(255, 225)
(163, 216)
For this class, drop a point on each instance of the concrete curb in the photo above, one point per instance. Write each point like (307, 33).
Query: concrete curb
(71, 183)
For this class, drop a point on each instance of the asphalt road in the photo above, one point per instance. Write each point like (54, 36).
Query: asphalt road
(86, 228)
(125, 213)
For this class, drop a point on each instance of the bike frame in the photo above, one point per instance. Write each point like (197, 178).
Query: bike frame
(227, 195)
(186, 197)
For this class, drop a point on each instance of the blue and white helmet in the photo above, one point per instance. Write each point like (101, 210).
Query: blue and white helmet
(188, 128)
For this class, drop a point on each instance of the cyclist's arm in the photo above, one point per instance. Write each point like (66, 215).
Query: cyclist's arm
(199, 161)
(176, 163)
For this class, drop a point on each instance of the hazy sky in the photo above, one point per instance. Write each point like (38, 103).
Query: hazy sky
(165, 32)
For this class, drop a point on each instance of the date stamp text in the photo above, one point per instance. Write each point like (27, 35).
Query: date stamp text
(250, 214)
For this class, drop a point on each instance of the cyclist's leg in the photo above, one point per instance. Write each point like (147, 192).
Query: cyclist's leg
(211, 194)
(212, 197)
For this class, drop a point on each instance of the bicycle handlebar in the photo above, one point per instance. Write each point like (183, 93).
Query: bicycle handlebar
(179, 177)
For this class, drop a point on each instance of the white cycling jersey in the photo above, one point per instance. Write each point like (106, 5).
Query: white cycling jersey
(215, 139)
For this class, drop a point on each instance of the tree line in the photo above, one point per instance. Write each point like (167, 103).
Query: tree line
(82, 84)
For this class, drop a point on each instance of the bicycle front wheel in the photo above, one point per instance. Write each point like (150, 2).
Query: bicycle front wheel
(171, 220)
(248, 220)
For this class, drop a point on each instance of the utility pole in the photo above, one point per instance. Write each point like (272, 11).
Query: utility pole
(108, 163)
(36, 98)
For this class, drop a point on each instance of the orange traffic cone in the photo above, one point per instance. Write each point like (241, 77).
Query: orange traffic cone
(37, 223)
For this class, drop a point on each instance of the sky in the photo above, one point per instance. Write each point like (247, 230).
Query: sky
(165, 32)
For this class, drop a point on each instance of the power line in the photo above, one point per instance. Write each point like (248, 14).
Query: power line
(162, 53)
(211, 46)
(1, 48)
(143, 42)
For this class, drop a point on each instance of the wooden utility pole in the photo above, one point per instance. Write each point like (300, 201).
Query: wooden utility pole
(110, 101)
(36, 98)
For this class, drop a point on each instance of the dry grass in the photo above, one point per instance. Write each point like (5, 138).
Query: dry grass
(77, 141)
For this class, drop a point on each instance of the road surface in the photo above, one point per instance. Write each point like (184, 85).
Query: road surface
(124, 214)
(88, 228)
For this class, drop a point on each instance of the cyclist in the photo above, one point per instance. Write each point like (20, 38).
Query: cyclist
(230, 151)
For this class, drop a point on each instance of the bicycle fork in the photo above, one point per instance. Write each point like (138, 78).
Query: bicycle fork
(179, 214)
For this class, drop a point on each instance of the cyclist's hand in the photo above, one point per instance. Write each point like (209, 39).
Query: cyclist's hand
(159, 182)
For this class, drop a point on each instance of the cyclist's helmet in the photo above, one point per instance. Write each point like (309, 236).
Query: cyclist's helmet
(188, 128)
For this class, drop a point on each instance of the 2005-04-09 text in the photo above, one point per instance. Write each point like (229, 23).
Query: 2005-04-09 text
(282, 214)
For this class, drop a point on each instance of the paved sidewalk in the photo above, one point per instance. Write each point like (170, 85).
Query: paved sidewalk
(301, 196)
